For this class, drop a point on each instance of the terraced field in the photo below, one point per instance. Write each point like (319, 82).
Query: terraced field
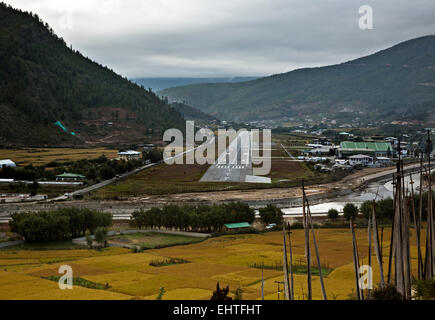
(227, 259)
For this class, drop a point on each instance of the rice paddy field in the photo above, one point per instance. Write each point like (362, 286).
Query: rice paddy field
(230, 259)
(42, 156)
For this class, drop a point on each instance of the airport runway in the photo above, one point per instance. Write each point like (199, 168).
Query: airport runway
(235, 164)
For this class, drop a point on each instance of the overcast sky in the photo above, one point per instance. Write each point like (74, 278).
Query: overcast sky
(171, 38)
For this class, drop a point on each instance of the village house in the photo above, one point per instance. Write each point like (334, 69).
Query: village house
(129, 155)
(7, 163)
(360, 159)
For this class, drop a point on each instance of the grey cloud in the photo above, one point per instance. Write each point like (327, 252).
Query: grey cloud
(230, 37)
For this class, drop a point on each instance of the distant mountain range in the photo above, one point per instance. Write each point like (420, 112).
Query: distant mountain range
(51, 94)
(158, 84)
(391, 84)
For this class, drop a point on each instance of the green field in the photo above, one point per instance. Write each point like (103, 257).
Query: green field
(151, 240)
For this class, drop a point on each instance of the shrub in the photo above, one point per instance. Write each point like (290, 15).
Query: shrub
(389, 292)
(161, 293)
(424, 289)
(297, 225)
(167, 262)
(238, 295)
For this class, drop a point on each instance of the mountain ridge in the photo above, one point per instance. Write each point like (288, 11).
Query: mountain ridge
(391, 80)
(42, 81)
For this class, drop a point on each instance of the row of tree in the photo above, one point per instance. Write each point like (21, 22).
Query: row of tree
(202, 218)
(384, 209)
(58, 225)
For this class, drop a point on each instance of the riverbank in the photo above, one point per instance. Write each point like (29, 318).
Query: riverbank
(284, 198)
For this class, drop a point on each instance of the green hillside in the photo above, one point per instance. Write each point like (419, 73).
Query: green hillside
(385, 84)
(190, 113)
(43, 81)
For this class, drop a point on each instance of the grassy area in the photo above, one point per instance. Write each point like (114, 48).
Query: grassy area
(151, 240)
(227, 259)
(165, 179)
(170, 179)
(42, 156)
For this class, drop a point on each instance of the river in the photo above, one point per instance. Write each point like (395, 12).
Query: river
(383, 189)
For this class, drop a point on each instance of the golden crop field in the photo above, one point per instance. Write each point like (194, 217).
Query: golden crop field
(227, 259)
(41, 156)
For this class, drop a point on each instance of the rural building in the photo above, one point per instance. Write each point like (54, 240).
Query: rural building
(129, 155)
(384, 161)
(70, 177)
(149, 146)
(324, 150)
(361, 159)
(373, 149)
(7, 163)
(237, 226)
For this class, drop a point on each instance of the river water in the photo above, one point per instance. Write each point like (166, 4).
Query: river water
(383, 189)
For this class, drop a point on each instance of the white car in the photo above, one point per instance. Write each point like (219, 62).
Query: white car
(270, 226)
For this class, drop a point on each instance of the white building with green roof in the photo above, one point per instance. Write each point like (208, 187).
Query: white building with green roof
(373, 149)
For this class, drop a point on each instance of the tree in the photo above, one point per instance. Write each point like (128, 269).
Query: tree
(89, 239)
(350, 211)
(332, 214)
(101, 236)
(33, 187)
(107, 172)
(271, 214)
(367, 208)
(384, 209)
(138, 219)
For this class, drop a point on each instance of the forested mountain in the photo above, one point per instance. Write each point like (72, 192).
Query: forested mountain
(387, 85)
(42, 81)
(158, 84)
(190, 113)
